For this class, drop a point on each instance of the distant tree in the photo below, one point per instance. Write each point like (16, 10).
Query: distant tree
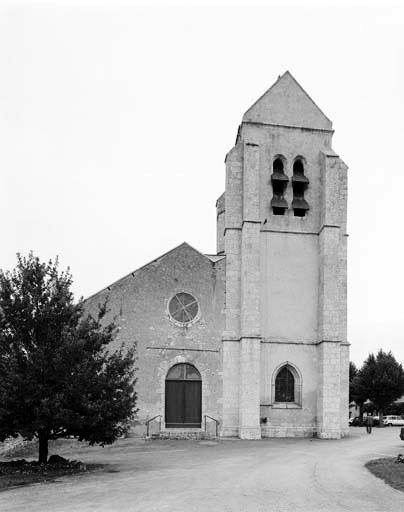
(383, 379)
(57, 377)
(353, 372)
(369, 407)
(396, 408)
(357, 391)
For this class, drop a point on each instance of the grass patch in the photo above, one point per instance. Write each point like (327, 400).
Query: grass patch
(23, 450)
(29, 449)
(21, 472)
(24, 472)
(388, 470)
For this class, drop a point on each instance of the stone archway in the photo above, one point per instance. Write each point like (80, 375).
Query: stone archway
(183, 397)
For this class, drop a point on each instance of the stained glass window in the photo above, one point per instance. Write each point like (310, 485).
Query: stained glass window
(285, 386)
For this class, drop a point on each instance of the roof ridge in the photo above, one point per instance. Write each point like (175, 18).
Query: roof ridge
(146, 265)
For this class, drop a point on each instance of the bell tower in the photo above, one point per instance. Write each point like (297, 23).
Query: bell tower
(282, 227)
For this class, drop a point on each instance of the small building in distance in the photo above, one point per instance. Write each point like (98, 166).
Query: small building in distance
(255, 335)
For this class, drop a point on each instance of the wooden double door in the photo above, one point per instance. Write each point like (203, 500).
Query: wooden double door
(183, 403)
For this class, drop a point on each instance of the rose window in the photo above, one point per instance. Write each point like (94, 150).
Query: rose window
(183, 308)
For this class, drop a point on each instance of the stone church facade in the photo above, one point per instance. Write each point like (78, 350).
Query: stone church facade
(255, 335)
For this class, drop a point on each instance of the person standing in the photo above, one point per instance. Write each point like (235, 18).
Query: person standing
(369, 424)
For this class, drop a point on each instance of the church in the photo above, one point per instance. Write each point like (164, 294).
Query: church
(251, 341)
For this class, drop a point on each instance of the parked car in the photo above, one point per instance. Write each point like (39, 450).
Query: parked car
(392, 421)
(355, 422)
(376, 421)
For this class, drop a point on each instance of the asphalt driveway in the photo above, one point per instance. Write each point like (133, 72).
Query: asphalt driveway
(269, 475)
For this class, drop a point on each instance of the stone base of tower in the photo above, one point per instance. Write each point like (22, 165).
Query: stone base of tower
(304, 431)
(249, 408)
(249, 433)
(345, 432)
(241, 433)
(283, 431)
(287, 431)
(329, 434)
(332, 384)
(229, 432)
(231, 356)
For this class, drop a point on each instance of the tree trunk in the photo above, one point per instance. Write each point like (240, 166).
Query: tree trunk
(381, 424)
(361, 413)
(43, 447)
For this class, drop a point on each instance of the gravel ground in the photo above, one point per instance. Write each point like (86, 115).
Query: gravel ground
(230, 475)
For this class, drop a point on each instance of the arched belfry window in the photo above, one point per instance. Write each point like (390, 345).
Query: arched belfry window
(279, 181)
(183, 397)
(287, 385)
(299, 184)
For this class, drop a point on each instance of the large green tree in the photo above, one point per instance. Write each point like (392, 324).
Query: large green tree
(57, 376)
(381, 379)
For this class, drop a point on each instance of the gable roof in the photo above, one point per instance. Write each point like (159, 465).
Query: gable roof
(286, 103)
(212, 258)
(215, 257)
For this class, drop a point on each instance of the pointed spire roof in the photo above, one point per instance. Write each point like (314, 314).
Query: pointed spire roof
(286, 103)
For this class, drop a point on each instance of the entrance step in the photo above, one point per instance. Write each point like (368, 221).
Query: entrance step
(182, 434)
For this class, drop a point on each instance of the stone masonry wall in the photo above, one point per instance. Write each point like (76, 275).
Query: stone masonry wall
(140, 303)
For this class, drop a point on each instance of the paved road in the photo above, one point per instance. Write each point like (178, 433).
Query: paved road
(272, 475)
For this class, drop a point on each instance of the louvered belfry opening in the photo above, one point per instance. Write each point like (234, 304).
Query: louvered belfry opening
(285, 386)
(299, 183)
(183, 404)
(279, 181)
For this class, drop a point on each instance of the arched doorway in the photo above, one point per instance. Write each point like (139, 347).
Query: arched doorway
(183, 397)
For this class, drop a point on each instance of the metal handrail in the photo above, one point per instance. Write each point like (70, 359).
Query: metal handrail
(216, 423)
(147, 423)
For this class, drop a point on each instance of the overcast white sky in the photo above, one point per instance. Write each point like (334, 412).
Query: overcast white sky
(115, 118)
